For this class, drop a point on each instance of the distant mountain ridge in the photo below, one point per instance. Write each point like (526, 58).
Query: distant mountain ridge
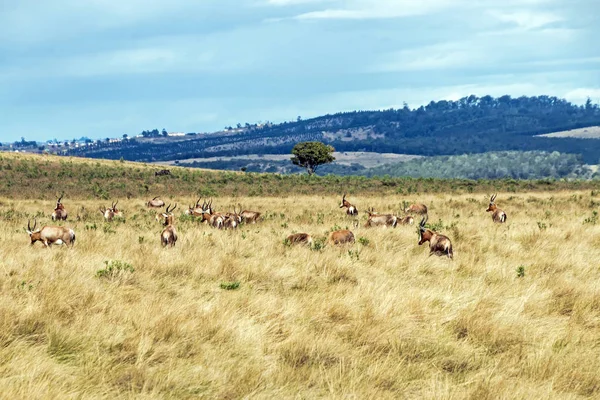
(468, 125)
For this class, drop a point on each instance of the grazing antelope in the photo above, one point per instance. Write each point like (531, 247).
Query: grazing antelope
(439, 245)
(350, 209)
(249, 217)
(50, 235)
(300, 238)
(169, 234)
(162, 172)
(498, 215)
(417, 208)
(112, 212)
(59, 211)
(375, 219)
(155, 203)
(341, 237)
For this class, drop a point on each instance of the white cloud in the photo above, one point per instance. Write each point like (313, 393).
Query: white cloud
(526, 19)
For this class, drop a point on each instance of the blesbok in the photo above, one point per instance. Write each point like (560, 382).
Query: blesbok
(216, 220)
(155, 203)
(375, 219)
(50, 235)
(169, 234)
(416, 208)
(407, 220)
(439, 245)
(300, 238)
(498, 215)
(111, 212)
(59, 211)
(196, 210)
(341, 237)
(350, 209)
(249, 217)
(162, 172)
(232, 220)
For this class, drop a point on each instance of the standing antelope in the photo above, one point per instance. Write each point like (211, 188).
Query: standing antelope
(439, 245)
(232, 220)
(195, 211)
(300, 238)
(416, 208)
(375, 219)
(350, 209)
(59, 211)
(249, 217)
(169, 234)
(155, 203)
(50, 235)
(498, 215)
(216, 220)
(341, 237)
(112, 212)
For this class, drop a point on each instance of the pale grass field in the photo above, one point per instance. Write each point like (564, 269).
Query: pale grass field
(372, 320)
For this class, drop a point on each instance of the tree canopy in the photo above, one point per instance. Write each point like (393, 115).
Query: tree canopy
(312, 154)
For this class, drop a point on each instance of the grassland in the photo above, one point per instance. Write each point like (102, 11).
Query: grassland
(233, 314)
(591, 132)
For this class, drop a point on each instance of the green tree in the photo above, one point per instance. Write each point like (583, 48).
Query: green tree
(312, 154)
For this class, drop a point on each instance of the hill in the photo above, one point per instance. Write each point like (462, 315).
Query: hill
(469, 125)
(28, 176)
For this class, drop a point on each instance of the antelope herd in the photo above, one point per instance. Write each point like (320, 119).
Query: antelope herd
(439, 244)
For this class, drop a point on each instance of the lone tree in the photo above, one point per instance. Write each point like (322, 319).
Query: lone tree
(312, 154)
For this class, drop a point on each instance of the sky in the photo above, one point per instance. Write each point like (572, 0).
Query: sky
(104, 68)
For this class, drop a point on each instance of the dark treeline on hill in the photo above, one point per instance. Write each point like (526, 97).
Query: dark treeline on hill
(469, 125)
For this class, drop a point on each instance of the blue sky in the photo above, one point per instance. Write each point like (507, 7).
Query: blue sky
(102, 68)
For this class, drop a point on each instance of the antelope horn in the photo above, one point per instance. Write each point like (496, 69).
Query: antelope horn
(29, 225)
(60, 198)
(117, 202)
(198, 201)
(155, 198)
(344, 197)
(173, 208)
(34, 224)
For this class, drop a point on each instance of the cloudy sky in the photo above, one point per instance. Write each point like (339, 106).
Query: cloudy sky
(102, 68)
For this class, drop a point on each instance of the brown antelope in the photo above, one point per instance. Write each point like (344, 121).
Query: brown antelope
(216, 220)
(498, 215)
(407, 220)
(375, 219)
(417, 208)
(155, 203)
(195, 211)
(50, 235)
(439, 245)
(341, 237)
(300, 238)
(112, 212)
(59, 211)
(232, 220)
(169, 234)
(350, 209)
(249, 217)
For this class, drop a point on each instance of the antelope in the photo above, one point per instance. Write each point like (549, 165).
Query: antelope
(155, 203)
(249, 217)
(350, 209)
(110, 213)
(169, 234)
(439, 245)
(341, 237)
(50, 235)
(195, 211)
(232, 220)
(300, 238)
(375, 219)
(59, 211)
(216, 220)
(416, 208)
(498, 215)
(162, 172)
(407, 220)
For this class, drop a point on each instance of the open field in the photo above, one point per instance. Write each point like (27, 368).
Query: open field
(364, 158)
(591, 132)
(29, 176)
(377, 319)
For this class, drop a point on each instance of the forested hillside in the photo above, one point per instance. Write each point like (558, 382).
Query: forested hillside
(469, 125)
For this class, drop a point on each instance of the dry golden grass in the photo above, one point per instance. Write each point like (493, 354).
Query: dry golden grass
(377, 319)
